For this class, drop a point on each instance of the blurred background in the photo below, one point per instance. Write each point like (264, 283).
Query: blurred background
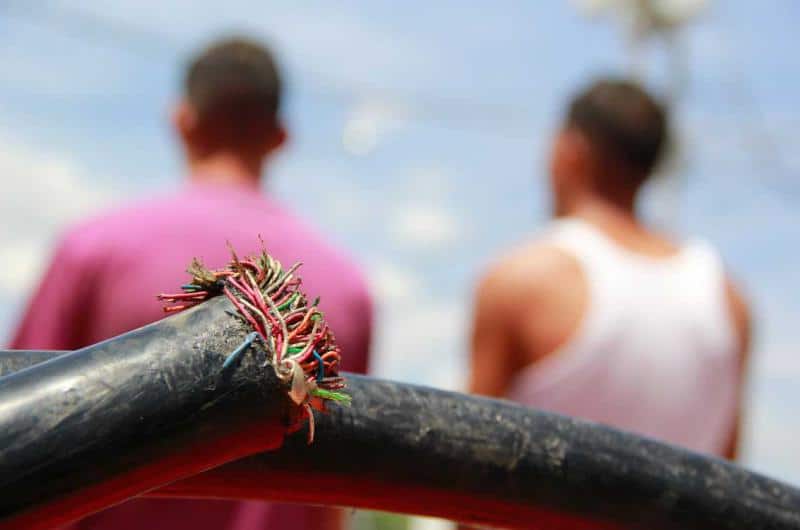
(419, 136)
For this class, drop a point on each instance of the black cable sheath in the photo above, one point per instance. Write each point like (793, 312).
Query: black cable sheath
(94, 427)
(418, 450)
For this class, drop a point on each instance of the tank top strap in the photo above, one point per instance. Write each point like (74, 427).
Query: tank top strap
(598, 257)
(600, 265)
(705, 276)
(579, 239)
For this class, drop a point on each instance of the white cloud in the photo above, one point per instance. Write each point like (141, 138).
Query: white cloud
(420, 337)
(341, 208)
(342, 44)
(29, 65)
(776, 351)
(345, 210)
(436, 322)
(369, 122)
(772, 435)
(422, 341)
(394, 284)
(425, 225)
(22, 264)
(776, 360)
(42, 191)
(432, 181)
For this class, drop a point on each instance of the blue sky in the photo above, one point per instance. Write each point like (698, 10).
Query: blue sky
(419, 137)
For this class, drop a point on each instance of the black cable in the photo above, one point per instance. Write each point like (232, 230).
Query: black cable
(417, 450)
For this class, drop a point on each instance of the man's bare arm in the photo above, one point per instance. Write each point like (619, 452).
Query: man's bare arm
(526, 306)
(491, 362)
(740, 316)
(491, 366)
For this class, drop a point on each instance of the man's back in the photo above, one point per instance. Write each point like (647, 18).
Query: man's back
(106, 274)
(602, 318)
(622, 327)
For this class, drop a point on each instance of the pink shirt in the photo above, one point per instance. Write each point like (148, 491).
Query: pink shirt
(103, 279)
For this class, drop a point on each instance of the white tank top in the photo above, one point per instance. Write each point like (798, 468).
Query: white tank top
(655, 353)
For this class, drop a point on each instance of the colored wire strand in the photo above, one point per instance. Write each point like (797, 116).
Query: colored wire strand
(290, 330)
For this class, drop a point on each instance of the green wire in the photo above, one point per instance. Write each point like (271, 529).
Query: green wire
(339, 397)
(288, 302)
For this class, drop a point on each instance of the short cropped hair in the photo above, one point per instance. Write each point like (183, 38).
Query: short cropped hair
(234, 84)
(623, 121)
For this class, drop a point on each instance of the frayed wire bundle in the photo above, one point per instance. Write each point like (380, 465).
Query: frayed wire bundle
(297, 341)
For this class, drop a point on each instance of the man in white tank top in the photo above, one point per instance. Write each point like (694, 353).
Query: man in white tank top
(603, 319)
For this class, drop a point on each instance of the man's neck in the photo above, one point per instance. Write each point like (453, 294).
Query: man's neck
(612, 214)
(621, 224)
(603, 212)
(226, 168)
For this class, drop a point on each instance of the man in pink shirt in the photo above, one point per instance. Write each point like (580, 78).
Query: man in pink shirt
(106, 271)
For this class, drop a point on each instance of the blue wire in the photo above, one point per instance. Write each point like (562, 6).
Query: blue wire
(248, 341)
(321, 365)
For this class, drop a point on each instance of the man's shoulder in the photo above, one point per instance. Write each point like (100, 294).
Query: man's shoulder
(114, 226)
(119, 231)
(739, 313)
(132, 229)
(530, 268)
(539, 293)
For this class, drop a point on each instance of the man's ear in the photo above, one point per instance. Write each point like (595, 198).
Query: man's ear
(576, 153)
(278, 137)
(184, 120)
